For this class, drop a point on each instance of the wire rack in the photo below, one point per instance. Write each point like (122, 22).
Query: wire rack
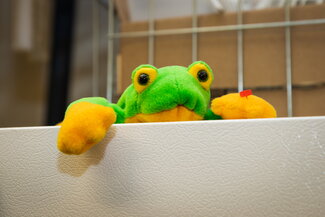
(194, 30)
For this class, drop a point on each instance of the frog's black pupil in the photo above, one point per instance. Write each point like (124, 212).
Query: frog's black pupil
(202, 75)
(143, 79)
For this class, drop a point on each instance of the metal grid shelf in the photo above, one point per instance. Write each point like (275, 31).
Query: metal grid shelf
(194, 30)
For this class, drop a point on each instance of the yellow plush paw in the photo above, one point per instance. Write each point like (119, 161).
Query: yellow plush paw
(242, 106)
(85, 124)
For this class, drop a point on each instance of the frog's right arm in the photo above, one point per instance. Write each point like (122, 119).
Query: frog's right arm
(86, 123)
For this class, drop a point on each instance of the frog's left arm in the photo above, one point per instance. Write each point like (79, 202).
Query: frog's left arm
(103, 102)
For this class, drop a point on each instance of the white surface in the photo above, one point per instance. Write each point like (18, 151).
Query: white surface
(181, 8)
(139, 9)
(272, 167)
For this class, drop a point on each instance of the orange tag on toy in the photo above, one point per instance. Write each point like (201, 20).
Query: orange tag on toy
(245, 93)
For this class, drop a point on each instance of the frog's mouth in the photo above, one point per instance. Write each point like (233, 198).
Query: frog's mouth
(179, 113)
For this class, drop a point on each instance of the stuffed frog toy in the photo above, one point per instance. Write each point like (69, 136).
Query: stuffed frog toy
(171, 93)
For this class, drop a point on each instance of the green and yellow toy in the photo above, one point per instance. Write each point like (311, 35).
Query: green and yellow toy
(172, 93)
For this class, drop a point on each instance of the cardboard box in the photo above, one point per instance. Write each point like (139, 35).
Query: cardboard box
(306, 101)
(264, 53)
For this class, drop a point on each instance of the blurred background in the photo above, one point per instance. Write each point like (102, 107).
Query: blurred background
(56, 51)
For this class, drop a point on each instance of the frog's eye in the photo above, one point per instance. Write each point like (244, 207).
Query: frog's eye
(143, 76)
(202, 73)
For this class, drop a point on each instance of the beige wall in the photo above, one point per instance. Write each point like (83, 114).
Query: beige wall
(263, 60)
(23, 73)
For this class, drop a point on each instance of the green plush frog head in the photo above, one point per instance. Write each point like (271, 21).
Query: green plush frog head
(172, 93)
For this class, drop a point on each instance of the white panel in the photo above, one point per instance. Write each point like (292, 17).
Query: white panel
(167, 8)
(273, 167)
